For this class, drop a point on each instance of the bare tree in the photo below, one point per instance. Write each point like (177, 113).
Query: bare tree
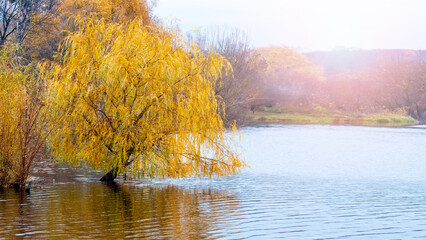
(19, 17)
(235, 89)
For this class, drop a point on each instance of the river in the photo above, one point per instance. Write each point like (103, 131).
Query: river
(304, 182)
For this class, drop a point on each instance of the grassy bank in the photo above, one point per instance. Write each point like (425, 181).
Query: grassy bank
(285, 116)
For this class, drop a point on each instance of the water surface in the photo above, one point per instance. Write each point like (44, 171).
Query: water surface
(305, 182)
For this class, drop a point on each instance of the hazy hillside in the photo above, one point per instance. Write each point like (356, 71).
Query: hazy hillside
(358, 60)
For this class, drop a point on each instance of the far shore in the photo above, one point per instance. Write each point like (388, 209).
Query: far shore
(279, 116)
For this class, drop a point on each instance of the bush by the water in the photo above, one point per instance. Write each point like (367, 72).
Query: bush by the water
(22, 121)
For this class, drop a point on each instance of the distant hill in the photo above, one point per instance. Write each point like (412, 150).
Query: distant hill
(343, 60)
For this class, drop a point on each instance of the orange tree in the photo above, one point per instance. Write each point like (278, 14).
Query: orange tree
(138, 99)
(290, 78)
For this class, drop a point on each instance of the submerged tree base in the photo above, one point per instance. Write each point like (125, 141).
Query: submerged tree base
(110, 176)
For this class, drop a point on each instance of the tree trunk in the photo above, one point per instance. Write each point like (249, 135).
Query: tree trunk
(419, 112)
(110, 176)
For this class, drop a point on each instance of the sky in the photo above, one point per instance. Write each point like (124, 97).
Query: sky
(308, 25)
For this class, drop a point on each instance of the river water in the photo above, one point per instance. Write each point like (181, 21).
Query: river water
(305, 182)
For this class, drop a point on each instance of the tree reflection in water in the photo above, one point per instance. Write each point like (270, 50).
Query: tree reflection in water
(115, 211)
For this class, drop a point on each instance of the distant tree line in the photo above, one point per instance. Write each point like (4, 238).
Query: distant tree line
(347, 80)
(374, 81)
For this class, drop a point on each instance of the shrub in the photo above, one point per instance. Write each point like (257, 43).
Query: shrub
(22, 121)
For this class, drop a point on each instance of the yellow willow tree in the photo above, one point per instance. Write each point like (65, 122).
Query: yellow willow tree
(23, 122)
(138, 99)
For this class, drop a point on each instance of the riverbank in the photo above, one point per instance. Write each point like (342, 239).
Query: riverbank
(284, 116)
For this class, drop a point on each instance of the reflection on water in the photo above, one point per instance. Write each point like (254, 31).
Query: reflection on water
(305, 182)
(117, 211)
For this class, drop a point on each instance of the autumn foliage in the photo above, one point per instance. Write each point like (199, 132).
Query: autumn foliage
(119, 94)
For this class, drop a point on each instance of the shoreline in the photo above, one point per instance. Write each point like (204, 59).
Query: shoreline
(305, 119)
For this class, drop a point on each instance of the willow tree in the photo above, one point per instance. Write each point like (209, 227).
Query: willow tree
(138, 99)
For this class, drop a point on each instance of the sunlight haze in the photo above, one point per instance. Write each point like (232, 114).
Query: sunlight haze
(309, 25)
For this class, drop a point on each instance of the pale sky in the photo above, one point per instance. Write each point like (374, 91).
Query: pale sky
(308, 25)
